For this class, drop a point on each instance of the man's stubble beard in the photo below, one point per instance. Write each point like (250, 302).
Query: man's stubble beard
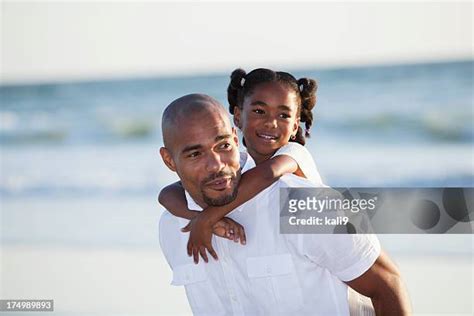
(224, 199)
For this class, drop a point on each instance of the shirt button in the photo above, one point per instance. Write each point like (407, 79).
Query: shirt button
(269, 270)
(233, 298)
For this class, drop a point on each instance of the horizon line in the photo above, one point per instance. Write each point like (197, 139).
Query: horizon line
(181, 73)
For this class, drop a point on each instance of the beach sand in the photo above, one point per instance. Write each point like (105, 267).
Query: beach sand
(137, 282)
(84, 281)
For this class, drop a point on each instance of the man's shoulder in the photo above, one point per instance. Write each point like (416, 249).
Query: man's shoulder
(172, 240)
(168, 220)
(167, 217)
(168, 225)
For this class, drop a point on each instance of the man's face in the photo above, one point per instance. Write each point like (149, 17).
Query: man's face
(204, 153)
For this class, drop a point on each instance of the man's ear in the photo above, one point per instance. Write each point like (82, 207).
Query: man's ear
(237, 114)
(167, 159)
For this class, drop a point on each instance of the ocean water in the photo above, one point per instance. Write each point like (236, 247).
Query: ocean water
(71, 152)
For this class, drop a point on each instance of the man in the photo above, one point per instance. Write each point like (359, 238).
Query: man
(273, 274)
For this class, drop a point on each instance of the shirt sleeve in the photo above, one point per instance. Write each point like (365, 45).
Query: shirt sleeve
(304, 160)
(347, 256)
(170, 239)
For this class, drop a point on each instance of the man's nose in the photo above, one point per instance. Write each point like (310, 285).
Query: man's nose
(214, 163)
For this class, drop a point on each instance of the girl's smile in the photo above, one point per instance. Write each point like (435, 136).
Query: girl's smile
(268, 119)
(269, 137)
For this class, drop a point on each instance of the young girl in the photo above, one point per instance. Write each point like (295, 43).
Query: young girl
(268, 108)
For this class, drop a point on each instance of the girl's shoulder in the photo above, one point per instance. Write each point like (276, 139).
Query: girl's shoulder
(303, 158)
(296, 151)
(293, 148)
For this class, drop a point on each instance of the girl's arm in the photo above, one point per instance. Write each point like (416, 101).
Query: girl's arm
(252, 182)
(173, 199)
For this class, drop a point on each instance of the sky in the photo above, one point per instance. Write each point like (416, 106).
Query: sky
(54, 41)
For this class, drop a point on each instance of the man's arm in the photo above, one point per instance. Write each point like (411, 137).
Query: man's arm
(383, 284)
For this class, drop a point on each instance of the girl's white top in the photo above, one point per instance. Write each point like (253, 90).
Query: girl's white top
(304, 159)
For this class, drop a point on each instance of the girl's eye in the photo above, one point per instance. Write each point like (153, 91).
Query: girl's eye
(258, 111)
(284, 115)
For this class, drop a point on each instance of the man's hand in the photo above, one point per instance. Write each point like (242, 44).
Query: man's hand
(200, 237)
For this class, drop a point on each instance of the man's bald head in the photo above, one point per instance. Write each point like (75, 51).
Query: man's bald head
(178, 112)
(201, 146)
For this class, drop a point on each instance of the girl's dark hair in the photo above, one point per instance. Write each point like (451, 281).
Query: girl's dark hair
(243, 84)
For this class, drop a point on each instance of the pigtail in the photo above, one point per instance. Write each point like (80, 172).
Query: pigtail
(308, 88)
(237, 78)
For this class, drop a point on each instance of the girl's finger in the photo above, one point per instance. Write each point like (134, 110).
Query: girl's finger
(243, 237)
(189, 249)
(203, 253)
(186, 228)
(237, 234)
(196, 255)
(228, 231)
(212, 252)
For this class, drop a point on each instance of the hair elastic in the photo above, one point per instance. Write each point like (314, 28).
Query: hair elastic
(300, 87)
(242, 82)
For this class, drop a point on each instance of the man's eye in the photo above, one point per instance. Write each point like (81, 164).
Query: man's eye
(194, 154)
(225, 146)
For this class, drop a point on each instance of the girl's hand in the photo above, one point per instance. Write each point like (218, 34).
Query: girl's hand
(230, 229)
(200, 237)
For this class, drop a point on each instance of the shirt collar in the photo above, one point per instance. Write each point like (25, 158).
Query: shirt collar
(192, 205)
(246, 161)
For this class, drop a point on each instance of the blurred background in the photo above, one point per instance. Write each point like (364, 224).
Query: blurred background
(83, 87)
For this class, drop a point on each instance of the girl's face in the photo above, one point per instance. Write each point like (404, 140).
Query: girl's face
(268, 118)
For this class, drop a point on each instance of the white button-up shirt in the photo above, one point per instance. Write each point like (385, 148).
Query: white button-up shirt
(273, 274)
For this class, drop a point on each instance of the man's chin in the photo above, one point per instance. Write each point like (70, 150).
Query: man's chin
(220, 199)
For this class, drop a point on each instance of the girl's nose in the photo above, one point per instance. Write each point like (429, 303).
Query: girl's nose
(271, 123)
